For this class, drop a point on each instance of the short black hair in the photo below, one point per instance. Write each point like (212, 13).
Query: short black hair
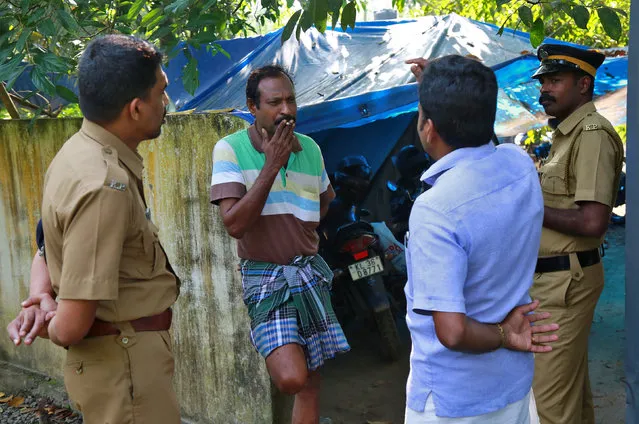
(114, 70)
(580, 74)
(268, 71)
(460, 96)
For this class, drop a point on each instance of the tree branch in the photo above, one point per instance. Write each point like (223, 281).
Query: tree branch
(30, 105)
(8, 103)
(238, 7)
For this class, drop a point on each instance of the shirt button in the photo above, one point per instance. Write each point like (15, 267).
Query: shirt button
(125, 340)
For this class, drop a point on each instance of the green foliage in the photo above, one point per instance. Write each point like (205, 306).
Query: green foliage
(595, 23)
(537, 136)
(44, 38)
(621, 130)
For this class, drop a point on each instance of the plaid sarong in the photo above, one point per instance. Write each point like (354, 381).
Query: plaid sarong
(292, 304)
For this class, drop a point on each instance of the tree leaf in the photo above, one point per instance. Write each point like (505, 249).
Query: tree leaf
(68, 22)
(8, 68)
(349, 14)
(309, 15)
(537, 33)
(321, 15)
(526, 16)
(162, 32)
(334, 6)
(35, 17)
(335, 20)
(290, 26)
(22, 40)
(209, 5)
(219, 49)
(177, 6)
(66, 94)
(501, 28)
(14, 77)
(610, 21)
(620, 11)
(4, 54)
(500, 3)
(580, 15)
(399, 4)
(47, 28)
(190, 76)
(155, 22)
(50, 62)
(290, 3)
(24, 6)
(298, 32)
(135, 9)
(41, 81)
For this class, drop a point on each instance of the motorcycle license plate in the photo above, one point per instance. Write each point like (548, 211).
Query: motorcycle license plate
(366, 268)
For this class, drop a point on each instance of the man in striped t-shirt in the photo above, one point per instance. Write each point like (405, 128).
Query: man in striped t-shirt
(272, 190)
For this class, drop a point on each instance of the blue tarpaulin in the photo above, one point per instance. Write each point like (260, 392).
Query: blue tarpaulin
(354, 92)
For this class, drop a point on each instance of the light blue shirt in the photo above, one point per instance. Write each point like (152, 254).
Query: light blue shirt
(472, 249)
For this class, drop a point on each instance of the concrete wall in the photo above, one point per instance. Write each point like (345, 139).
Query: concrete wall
(219, 377)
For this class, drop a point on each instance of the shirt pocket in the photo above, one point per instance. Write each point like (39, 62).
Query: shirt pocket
(554, 179)
(141, 255)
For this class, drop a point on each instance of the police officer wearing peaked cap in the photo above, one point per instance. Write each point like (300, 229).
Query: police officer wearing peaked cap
(579, 184)
(560, 58)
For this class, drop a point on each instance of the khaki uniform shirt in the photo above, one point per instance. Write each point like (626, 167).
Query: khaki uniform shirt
(100, 243)
(584, 165)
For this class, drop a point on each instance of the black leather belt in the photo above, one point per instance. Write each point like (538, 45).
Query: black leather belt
(562, 263)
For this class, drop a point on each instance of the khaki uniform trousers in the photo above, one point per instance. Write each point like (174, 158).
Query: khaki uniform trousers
(124, 379)
(561, 383)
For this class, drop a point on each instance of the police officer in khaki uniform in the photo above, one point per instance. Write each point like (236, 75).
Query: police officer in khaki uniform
(579, 182)
(113, 282)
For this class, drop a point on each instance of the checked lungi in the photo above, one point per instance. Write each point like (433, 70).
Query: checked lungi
(292, 304)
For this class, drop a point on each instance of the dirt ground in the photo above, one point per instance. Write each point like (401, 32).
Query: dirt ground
(359, 388)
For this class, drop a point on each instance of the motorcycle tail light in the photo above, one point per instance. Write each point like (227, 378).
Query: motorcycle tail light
(358, 246)
(361, 255)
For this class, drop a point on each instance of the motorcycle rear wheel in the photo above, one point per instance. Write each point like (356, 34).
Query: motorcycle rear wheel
(390, 341)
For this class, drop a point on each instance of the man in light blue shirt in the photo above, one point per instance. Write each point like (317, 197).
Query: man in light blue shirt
(471, 254)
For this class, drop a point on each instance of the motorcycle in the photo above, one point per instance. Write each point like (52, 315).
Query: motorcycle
(352, 249)
(410, 163)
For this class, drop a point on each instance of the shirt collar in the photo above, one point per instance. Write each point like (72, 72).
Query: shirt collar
(453, 159)
(129, 157)
(568, 124)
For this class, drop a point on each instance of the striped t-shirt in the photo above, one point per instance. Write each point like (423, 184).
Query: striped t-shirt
(291, 214)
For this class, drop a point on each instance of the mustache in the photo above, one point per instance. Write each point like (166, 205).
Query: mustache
(284, 118)
(546, 97)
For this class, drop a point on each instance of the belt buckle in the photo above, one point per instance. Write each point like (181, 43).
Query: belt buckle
(602, 250)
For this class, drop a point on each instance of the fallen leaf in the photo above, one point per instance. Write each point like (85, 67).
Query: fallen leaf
(1, 394)
(16, 401)
(7, 399)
